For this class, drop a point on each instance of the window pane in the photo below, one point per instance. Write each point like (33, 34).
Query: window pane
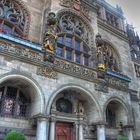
(85, 49)
(77, 58)
(86, 60)
(59, 51)
(60, 40)
(68, 42)
(68, 54)
(77, 45)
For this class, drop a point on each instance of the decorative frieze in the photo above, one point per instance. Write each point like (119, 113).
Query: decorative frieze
(77, 5)
(47, 72)
(75, 70)
(20, 51)
(102, 86)
(117, 83)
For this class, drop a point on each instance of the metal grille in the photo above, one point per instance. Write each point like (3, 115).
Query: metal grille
(13, 103)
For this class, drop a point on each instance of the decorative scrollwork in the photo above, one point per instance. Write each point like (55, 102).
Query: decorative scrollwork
(71, 24)
(12, 12)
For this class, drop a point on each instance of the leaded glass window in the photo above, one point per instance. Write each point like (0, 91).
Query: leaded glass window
(12, 18)
(13, 102)
(74, 36)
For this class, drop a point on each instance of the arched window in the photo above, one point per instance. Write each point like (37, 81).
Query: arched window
(13, 102)
(74, 39)
(111, 58)
(64, 105)
(12, 18)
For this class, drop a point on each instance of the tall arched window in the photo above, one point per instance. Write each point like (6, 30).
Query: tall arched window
(12, 18)
(13, 103)
(74, 39)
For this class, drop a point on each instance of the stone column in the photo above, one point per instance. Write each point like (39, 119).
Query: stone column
(130, 134)
(81, 136)
(42, 128)
(77, 130)
(100, 132)
(52, 129)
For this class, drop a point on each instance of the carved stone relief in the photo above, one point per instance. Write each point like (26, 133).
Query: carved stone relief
(47, 72)
(77, 5)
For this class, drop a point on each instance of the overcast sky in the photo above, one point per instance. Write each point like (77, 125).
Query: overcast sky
(131, 9)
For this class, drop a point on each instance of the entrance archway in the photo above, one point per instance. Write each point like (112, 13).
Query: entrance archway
(74, 111)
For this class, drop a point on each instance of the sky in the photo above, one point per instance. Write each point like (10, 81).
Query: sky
(131, 9)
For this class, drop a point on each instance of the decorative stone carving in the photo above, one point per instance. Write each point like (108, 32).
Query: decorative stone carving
(15, 12)
(71, 24)
(100, 57)
(117, 83)
(75, 70)
(81, 108)
(20, 52)
(47, 72)
(101, 86)
(77, 5)
(50, 38)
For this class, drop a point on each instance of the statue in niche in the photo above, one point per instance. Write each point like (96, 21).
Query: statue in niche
(100, 53)
(50, 38)
(81, 108)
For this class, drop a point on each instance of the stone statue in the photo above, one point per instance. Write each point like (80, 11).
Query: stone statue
(81, 108)
(50, 38)
(100, 55)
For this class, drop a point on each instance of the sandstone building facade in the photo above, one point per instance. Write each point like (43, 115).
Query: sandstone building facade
(69, 70)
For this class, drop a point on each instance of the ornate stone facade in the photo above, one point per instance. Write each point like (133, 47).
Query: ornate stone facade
(78, 81)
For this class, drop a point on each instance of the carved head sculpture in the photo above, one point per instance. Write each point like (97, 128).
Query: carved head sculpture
(51, 19)
(99, 41)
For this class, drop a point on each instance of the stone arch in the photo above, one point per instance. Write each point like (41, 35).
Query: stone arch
(82, 90)
(36, 94)
(121, 103)
(112, 46)
(82, 18)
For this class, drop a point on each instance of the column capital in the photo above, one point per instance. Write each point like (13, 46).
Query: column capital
(41, 117)
(99, 124)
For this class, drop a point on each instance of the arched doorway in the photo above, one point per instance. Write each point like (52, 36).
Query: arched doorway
(116, 118)
(73, 112)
